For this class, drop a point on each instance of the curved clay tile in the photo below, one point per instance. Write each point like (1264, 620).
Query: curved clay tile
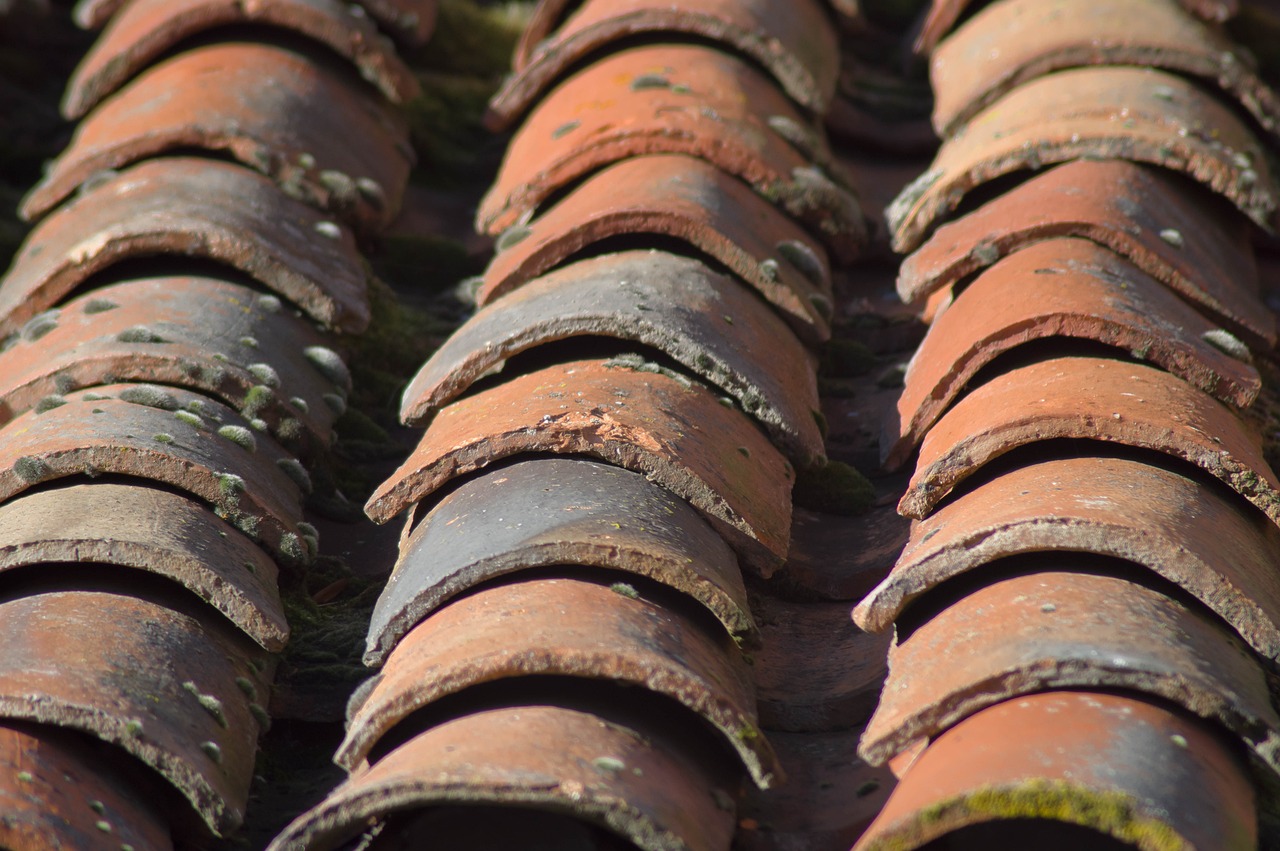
(1061, 288)
(165, 435)
(675, 99)
(568, 628)
(270, 108)
(42, 810)
(1110, 112)
(676, 433)
(115, 525)
(1093, 399)
(1056, 757)
(943, 14)
(631, 778)
(1189, 240)
(88, 660)
(1058, 630)
(1009, 42)
(145, 30)
(412, 20)
(218, 338)
(194, 207)
(550, 512)
(708, 322)
(685, 199)
(793, 39)
(1207, 542)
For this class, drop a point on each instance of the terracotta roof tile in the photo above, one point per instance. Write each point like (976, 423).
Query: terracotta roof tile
(1067, 630)
(688, 200)
(1092, 399)
(227, 98)
(143, 528)
(1126, 207)
(1061, 288)
(143, 31)
(677, 99)
(1202, 539)
(793, 39)
(706, 321)
(676, 433)
(192, 207)
(43, 811)
(1047, 758)
(1007, 43)
(159, 436)
(224, 340)
(549, 512)
(577, 628)
(631, 777)
(1111, 112)
(200, 737)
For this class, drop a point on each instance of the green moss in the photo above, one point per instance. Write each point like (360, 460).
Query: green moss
(264, 373)
(293, 468)
(189, 418)
(48, 403)
(625, 589)
(39, 325)
(834, 488)
(149, 395)
(240, 436)
(256, 400)
(139, 334)
(99, 305)
(31, 469)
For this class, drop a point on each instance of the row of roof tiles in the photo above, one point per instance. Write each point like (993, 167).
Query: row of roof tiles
(1081, 616)
(611, 440)
(161, 417)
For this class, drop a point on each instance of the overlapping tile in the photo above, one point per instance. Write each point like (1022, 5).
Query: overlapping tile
(412, 20)
(573, 628)
(706, 321)
(133, 526)
(793, 39)
(1054, 289)
(271, 108)
(1016, 768)
(1203, 255)
(675, 432)
(165, 435)
(56, 793)
(145, 30)
(216, 337)
(676, 197)
(1007, 43)
(191, 207)
(1092, 399)
(1053, 629)
(1111, 112)
(87, 660)
(1205, 541)
(675, 98)
(556, 511)
(943, 14)
(630, 776)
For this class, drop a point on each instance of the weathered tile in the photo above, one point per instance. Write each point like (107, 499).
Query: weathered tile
(1029, 769)
(412, 20)
(675, 432)
(1054, 629)
(133, 526)
(1093, 399)
(271, 108)
(1206, 541)
(1009, 42)
(1204, 254)
(216, 337)
(676, 99)
(707, 321)
(568, 628)
(1062, 288)
(1139, 114)
(793, 39)
(556, 511)
(183, 206)
(145, 30)
(676, 197)
(631, 777)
